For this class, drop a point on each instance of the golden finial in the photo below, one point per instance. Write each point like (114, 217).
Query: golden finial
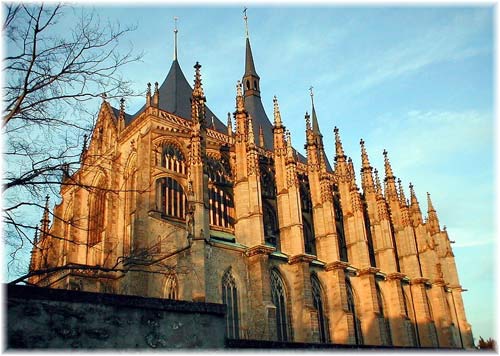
(175, 37)
(245, 17)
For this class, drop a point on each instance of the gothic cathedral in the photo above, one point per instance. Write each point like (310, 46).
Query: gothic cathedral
(172, 203)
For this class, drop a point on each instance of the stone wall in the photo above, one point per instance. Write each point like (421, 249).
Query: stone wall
(41, 318)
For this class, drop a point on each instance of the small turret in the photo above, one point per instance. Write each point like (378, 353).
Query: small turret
(402, 197)
(339, 150)
(390, 181)
(277, 115)
(416, 214)
(366, 170)
(148, 95)
(229, 125)
(156, 96)
(432, 220)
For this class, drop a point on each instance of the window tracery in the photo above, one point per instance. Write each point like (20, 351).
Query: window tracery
(279, 298)
(317, 294)
(230, 299)
(172, 200)
(171, 287)
(220, 192)
(96, 213)
(351, 308)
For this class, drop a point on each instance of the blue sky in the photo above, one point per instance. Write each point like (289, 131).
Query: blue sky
(417, 81)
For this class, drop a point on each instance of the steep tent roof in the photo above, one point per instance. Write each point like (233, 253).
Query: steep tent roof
(175, 94)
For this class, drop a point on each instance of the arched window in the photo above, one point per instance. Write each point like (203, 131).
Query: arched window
(317, 294)
(130, 206)
(248, 84)
(172, 200)
(310, 246)
(230, 299)
(173, 159)
(351, 308)
(278, 295)
(384, 327)
(255, 85)
(220, 197)
(271, 229)
(339, 224)
(408, 309)
(171, 288)
(307, 215)
(97, 212)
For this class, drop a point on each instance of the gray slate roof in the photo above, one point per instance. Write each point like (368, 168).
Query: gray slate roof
(175, 94)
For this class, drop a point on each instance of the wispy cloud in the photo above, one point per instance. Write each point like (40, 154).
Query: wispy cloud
(447, 42)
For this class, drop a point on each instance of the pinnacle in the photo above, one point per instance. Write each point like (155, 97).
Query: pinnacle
(364, 156)
(387, 166)
(339, 150)
(277, 114)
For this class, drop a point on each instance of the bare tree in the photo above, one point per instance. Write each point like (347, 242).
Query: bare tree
(53, 76)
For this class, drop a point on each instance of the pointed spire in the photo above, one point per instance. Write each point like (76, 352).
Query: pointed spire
(339, 150)
(315, 125)
(289, 148)
(365, 162)
(387, 166)
(175, 37)
(45, 218)
(148, 95)
(261, 136)
(250, 78)
(277, 114)
(432, 219)
(198, 88)
(413, 197)
(402, 198)
(229, 125)
(430, 207)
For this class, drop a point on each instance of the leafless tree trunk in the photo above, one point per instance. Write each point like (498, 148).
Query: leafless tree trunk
(53, 76)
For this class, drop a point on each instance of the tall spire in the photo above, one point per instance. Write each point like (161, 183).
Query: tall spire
(250, 78)
(315, 126)
(175, 37)
(430, 207)
(366, 170)
(277, 114)
(416, 214)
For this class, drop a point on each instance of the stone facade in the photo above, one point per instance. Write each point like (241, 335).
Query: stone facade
(171, 203)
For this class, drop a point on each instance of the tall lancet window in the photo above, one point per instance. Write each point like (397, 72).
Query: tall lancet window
(409, 313)
(220, 193)
(97, 212)
(317, 294)
(230, 299)
(279, 298)
(172, 199)
(269, 204)
(171, 288)
(307, 215)
(339, 224)
(351, 308)
(384, 321)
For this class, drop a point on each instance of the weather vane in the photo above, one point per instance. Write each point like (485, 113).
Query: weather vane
(246, 19)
